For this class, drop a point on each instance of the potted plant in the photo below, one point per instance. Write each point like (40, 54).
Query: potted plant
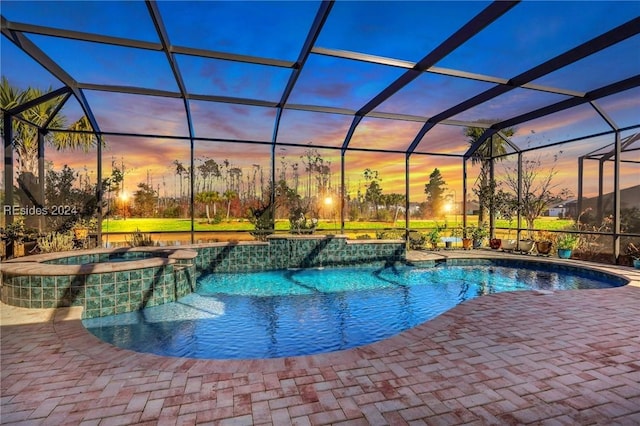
(495, 243)
(15, 234)
(633, 252)
(82, 227)
(466, 238)
(80, 232)
(478, 234)
(434, 237)
(566, 244)
(544, 242)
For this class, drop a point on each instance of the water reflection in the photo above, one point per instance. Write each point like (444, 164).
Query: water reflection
(286, 313)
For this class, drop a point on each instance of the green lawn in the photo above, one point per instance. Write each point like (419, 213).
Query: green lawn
(184, 225)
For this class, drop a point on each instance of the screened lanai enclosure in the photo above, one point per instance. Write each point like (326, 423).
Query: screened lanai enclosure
(193, 122)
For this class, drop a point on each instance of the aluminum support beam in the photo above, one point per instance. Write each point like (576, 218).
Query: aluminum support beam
(41, 177)
(592, 46)
(51, 66)
(8, 166)
(471, 28)
(464, 193)
(492, 12)
(519, 216)
(492, 213)
(321, 17)
(343, 193)
(140, 44)
(600, 205)
(602, 92)
(616, 200)
(166, 48)
(580, 184)
(407, 200)
(37, 101)
(312, 36)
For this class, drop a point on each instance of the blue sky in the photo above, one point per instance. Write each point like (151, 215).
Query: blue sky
(527, 35)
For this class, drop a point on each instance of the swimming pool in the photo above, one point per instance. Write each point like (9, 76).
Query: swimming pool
(301, 312)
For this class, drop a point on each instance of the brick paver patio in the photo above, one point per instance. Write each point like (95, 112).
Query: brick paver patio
(565, 358)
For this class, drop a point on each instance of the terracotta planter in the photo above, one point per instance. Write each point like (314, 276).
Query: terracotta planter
(495, 243)
(18, 249)
(466, 243)
(544, 247)
(81, 233)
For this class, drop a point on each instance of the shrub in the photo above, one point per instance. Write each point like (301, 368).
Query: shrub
(417, 240)
(389, 235)
(568, 241)
(56, 241)
(363, 237)
(140, 239)
(262, 219)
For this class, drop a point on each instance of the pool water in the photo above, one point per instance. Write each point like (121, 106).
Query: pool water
(301, 312)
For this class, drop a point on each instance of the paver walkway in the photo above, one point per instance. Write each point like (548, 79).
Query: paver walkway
(565, 358)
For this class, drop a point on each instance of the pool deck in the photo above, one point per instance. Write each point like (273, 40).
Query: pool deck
(557, 358)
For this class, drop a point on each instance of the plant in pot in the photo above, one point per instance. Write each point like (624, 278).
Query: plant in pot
(467, 241)
(19, 239)
(478, 235)
(434, 237)
(495, 243)
(15, 234)
(633, 252)
(81, 229)
(544, 242)
(566, 244)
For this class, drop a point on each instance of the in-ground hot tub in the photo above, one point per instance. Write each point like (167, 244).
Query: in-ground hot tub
(102, 281)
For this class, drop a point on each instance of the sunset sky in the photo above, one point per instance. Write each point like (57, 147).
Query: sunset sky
(274, 33)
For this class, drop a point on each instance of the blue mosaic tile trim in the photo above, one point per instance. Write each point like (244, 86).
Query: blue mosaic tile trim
(285, 253)
(233, 258)
(99, 258)
(126, 291)
(101, 294)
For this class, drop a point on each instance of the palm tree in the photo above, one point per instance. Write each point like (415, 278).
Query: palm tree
(484, 155)
(180, 170)
(395, 200)
(209, 197)
(25, 137)
(229, 195)
(25, 140)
